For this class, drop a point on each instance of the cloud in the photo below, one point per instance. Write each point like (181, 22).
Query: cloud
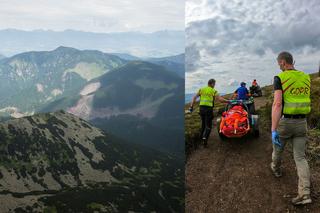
(233, 82)
(244, 37)
(93, 15)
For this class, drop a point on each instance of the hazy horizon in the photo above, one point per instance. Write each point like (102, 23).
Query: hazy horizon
(140, 44)
(112, 53)
(93, 25)
(84, 31)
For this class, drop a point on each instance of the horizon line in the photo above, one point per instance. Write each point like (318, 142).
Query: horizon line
(110, 53)
(96, 32)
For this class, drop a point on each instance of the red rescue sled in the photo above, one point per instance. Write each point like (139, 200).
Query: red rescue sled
(237, 121)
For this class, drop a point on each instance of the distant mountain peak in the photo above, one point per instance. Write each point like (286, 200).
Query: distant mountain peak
(59, 72)
(64, 48)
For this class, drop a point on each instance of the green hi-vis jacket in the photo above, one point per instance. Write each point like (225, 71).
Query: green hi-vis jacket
(296, 92)
(207, 95)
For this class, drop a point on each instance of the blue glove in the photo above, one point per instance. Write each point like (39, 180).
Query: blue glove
(275, 139)
(191, 109)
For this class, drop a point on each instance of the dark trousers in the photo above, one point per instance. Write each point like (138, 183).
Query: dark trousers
(206, 114)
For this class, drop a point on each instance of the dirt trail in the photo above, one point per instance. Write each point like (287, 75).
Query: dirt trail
(234, 176)
(259, 102)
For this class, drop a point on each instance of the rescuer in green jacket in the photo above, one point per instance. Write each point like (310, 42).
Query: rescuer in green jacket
(207, 97)
(289, 125)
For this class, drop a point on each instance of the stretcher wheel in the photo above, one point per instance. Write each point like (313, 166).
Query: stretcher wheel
(255, 125)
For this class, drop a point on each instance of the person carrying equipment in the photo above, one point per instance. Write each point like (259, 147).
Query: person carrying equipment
(207, 97)
(242, 92)
(289, 125)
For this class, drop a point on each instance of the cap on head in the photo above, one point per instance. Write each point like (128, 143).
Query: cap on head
(286, 56)
(242, 84)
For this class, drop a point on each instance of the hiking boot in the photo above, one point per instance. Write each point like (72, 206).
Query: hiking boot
(276, 172)
(301, 200)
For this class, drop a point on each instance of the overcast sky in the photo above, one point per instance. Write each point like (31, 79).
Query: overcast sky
(93, 15)
(238, 40)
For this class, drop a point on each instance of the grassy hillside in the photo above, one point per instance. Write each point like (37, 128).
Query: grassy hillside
(192, 121)
(53, 157)
(32, 79)
(139, 102)
(193, 124)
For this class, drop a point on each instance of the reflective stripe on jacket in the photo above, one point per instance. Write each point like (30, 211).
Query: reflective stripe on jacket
(207, 96)
(296, 92)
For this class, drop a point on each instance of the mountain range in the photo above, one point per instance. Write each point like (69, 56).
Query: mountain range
(101, 128)
(30, 79)
(48, 158)
(156, 44)
(173, 63)
(139, 101)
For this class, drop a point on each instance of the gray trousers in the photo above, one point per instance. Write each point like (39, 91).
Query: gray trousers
(294, 131)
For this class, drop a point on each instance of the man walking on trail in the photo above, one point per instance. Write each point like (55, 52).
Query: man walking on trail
(290, 107)
(207, 97)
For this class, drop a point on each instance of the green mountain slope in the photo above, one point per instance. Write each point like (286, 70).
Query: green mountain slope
(31, 79)
(140, 102)
(174, 63)
(47, 159)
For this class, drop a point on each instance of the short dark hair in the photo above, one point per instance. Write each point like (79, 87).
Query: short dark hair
(286, 56)
(211, 81)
